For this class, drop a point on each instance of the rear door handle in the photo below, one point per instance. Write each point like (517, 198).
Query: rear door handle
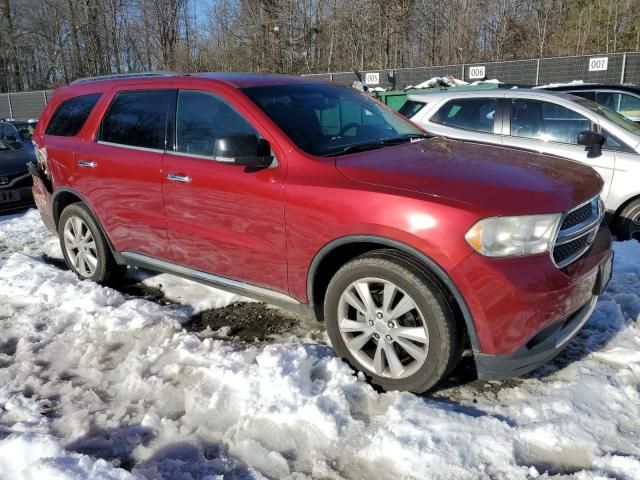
(87, 164)
(178, 178)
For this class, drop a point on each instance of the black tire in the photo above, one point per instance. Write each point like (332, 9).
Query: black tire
(444, 332)
(106, 270)
(628, 225)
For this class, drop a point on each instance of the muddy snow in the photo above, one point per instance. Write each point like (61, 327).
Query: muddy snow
(124, 383)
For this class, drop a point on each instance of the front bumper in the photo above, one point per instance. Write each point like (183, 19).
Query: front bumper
(16, 196)
(543, 347)
(525, 310)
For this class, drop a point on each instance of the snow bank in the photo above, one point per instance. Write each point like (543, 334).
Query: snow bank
(96, 384)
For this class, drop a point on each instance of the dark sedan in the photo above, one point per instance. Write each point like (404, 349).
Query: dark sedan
(15, 180)
(17, 134)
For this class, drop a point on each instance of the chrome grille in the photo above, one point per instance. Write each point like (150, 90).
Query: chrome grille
(578, 229)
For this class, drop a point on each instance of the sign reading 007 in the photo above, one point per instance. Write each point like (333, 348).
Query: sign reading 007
(597, 64)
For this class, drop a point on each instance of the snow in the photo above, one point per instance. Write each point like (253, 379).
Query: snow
(562, 84)
(102, 385)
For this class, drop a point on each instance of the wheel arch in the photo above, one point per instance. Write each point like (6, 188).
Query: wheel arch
(622, 206)
(64, 197)
(334, 254)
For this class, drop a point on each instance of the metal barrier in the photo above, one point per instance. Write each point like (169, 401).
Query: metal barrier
(23, 105)
(605, 68)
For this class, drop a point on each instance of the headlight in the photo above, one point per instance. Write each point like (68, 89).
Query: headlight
(513, 236)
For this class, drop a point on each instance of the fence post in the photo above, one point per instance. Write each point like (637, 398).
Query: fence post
(10, 107)
(624, 67)
(538, 72)
(44, 95)
(462, 72)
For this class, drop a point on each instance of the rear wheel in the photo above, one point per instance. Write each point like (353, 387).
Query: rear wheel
(391, 321)
(84, 246)
(629, 222)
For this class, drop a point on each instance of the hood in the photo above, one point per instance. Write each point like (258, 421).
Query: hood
(13, 162)
(497, 180)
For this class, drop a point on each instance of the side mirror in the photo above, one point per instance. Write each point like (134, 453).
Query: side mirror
(243, 149)
(593, 141)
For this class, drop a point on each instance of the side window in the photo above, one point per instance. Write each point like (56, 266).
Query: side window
(202, 118)
(624, 104)
(137, 118)
(584, 94)
(546, 121)
(71, 114)
(411, 107)
(613, 143)
(476, 114)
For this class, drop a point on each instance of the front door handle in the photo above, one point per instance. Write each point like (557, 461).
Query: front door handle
(87, 164)
(178, 178)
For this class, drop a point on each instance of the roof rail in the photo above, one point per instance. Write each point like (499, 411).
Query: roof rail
(102, 78)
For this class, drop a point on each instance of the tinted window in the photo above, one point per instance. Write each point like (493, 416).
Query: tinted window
(328, 120)
(137, 118)
(202, 118)
(71, 114)
(624, 104)
(613, 143)
(587, 95)
(410, 108)
(470, 113)
(546, 121)
(25, 130)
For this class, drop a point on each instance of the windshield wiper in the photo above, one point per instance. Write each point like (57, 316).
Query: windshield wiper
(384, 142)
(357, 148)
(404, 138)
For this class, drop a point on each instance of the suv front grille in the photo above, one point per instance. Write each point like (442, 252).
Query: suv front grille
(580, 215)
(577, 232)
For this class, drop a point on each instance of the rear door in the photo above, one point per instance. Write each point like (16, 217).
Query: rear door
(119, 170)
(551, 128)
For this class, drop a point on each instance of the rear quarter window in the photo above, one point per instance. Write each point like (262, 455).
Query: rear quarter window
(411, 107)
(70, 116)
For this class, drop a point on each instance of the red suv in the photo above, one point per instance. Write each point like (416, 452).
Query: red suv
(412, 249)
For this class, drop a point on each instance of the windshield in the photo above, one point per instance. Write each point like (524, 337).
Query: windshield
(329, 120)
(610, 115)
(4, 146)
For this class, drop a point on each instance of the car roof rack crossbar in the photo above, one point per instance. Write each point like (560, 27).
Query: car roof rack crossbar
(120, 76)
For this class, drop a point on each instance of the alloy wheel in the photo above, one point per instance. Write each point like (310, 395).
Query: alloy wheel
(383, 328)
(80, 247)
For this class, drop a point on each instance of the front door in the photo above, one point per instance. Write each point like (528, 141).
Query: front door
(223, 219)
(553, 129)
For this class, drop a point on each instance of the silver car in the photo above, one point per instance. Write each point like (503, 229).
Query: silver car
(552, 123)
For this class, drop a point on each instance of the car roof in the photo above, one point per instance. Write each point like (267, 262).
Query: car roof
(238, 80)
(595, 86)
(497, 93)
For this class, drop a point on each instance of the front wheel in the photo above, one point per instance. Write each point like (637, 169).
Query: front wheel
(84, 246)
(628, 227)
(390, 320)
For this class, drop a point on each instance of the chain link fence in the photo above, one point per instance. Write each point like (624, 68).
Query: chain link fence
(605, 68)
